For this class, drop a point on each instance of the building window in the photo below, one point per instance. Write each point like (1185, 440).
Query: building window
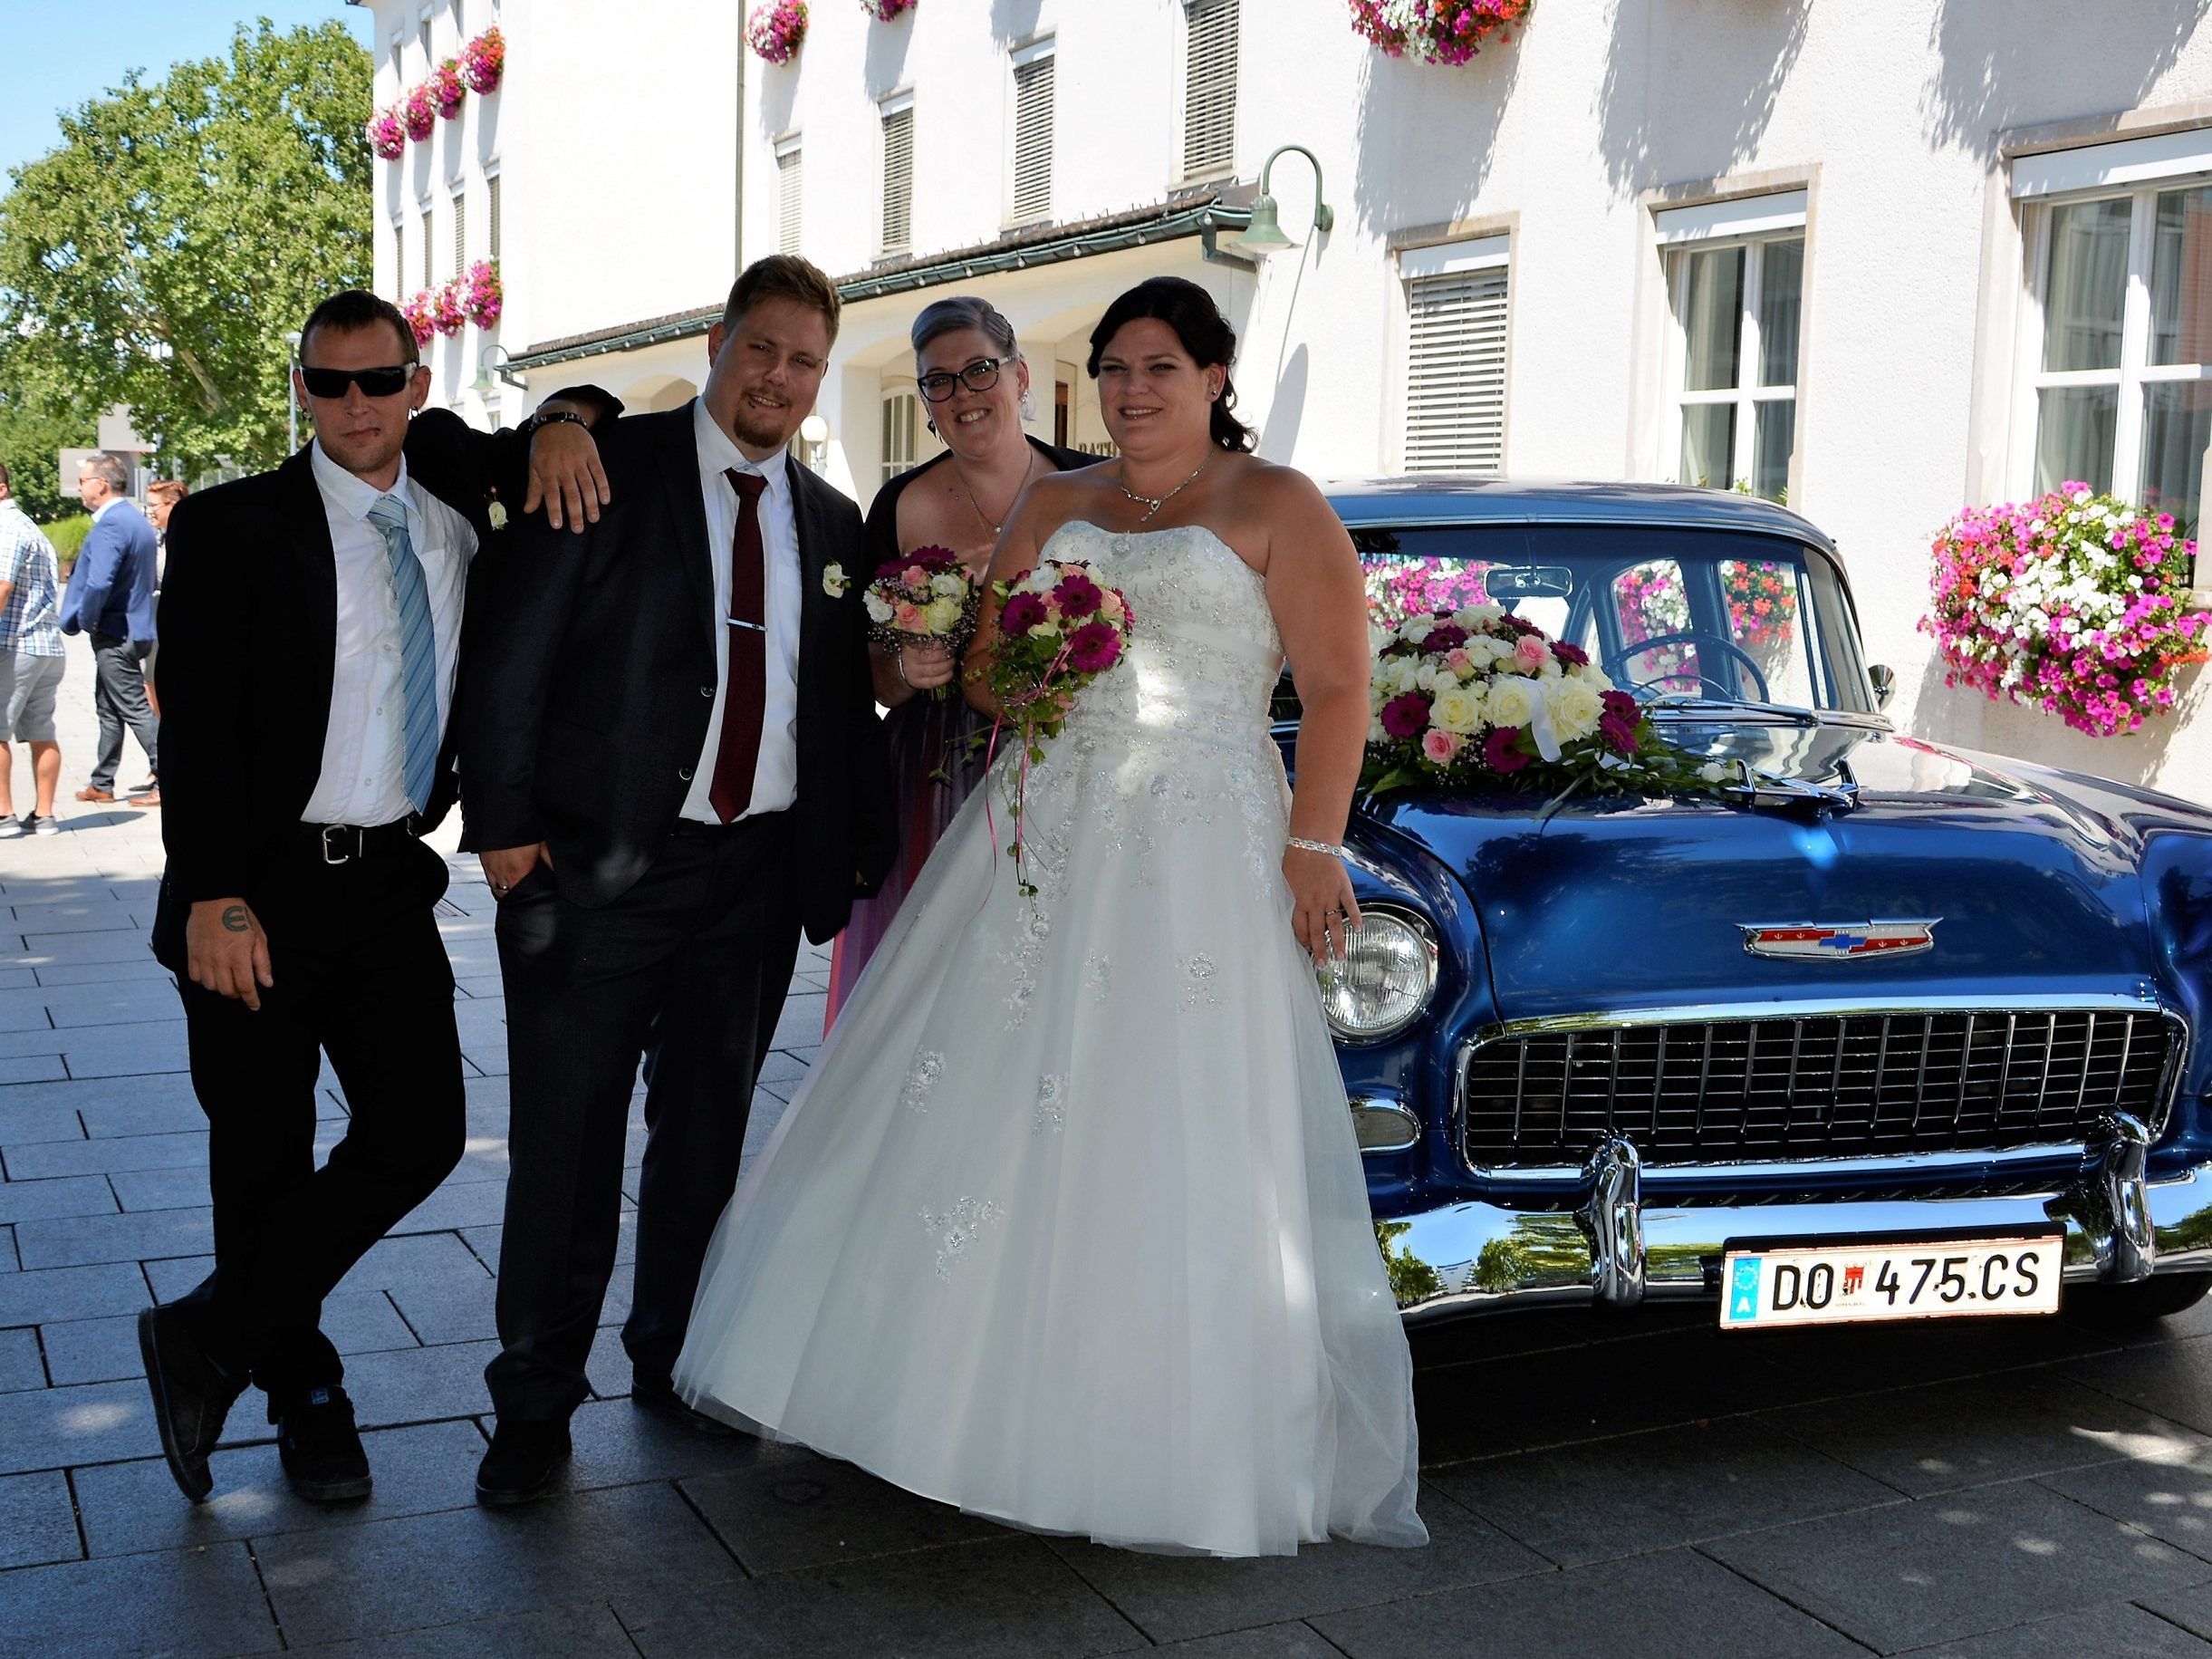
(422, 38)
(491, 216)
(2118, 389)
(901, 416)
(1456, 313)
(788, 194)
(1209, 86)
(428, 278)
(1033, 131)
(460, 232)
(1735, 289)
(398, 256)
(898, 115)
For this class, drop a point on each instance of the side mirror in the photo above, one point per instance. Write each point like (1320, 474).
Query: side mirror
(1885, 683)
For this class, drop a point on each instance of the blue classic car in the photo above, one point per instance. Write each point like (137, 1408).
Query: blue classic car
(1878, 1030)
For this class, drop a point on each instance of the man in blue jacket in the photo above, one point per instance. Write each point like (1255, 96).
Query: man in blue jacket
(111, 596)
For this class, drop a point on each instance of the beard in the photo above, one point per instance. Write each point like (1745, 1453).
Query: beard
(759, 429)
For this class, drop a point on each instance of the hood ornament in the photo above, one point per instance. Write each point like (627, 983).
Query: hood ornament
(1839, 941)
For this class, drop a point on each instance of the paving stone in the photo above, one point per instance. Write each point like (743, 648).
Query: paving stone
(401, 1386)
(143, 1235)
(132, 1506)
(2173, 1379)
(9, 1261)
(37, 1523)
(32, 1068)
(42, 950)
(182, 1605)
(458, 1204)
(185, 1189)
(72, 1293)
(103, 973)
(171, 1278)
(2168, 1497)
(115, 1003)
(47, 1160)
(590, 1632)
(18, 978)
(57, 1428)
(642, 1542)
(1993, 1427)
(799, 1027)
(618, 1443)
(102, 1350)
(1962, 1564)
(21, 1366)
(1175, 1597)
(76, 1195)
(34, 1113)
(1675, 1602)
(449, 1311)
(85, 915)
(1296, 1640)
(781, 1067)
(798, 1510)
(2191, 1609)
(173, 1110)
(23, 1010)
(1006, 1598)
(126, 1051)
(2115, 1632)
(1852, 1359)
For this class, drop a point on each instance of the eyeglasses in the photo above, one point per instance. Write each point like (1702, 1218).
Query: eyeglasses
(980, 376)
(373, 383)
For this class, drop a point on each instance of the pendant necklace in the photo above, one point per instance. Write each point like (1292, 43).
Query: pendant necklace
(1152, 503)
(976, 507)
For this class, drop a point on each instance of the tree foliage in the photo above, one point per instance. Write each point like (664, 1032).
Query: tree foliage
(34, 429)
(159, 255)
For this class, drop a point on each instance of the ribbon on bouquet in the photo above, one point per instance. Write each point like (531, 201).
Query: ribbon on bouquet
(1020, 788)
(1539, 725)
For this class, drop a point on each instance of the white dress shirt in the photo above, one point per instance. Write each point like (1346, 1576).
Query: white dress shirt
(364, 749)
(775, 773)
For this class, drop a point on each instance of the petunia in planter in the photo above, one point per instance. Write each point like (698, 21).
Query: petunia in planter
(449, 311)
(483, 61)
(415, 309)
(481, 295)
(446, 89)
(419, 110)
(387, 136)
(2070, 603)
(775, 28)
(1435, 30)
(885, 11)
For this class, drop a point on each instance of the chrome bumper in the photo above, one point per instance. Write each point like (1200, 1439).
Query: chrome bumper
(1622, 1242)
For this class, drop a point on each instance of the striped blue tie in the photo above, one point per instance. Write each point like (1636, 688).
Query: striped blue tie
(417, 649)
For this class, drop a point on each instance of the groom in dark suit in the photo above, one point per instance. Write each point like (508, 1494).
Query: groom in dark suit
(674, 764)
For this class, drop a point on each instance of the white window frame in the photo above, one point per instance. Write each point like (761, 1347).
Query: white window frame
(893, 463)
(2139, 170)
(897, 103)
(1020, 58)
(1751, 223)
(1185, 168)
(1445, 259)
(790, 193)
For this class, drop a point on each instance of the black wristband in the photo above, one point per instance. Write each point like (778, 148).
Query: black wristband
(546, 416)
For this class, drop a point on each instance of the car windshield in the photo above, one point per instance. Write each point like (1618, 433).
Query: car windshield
(1682, 618)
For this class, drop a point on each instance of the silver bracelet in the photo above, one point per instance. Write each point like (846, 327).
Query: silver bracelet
(1316, 846)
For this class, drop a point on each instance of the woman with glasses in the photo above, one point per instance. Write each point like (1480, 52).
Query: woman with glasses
(975, 385)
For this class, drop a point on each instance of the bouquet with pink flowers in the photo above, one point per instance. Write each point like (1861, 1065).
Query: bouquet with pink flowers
(924, 595)
(776, 28)
(387, 137)
(419, 111)
(1476, 696)
(446, 91)
(483, 60)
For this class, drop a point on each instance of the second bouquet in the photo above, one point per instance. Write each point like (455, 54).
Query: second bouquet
(923, 597)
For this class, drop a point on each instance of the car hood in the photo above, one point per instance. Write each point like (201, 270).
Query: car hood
(2031, 877)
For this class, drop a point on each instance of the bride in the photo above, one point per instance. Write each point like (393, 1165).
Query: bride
(1067, 1226)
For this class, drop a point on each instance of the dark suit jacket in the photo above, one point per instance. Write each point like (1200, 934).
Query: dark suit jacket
(112, 586)
(585, 704)
(249, 625)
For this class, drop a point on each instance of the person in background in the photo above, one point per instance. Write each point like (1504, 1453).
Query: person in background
(972, 379)
(162, 499)
(31, 666)
(111, 597)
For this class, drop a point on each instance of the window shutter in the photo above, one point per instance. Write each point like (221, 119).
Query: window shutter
(787, 199)
(428, 278)
(1209, 86)
(398, 256)
(899, 180)
(460, 233)
(1456, 373)
(1033, 137)
(491, 215)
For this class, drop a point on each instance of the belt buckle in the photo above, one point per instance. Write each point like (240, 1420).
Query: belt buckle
(332, 829)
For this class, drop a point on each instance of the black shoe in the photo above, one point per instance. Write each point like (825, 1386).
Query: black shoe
(662, 1400)
(320, 1448)
(526, 1455)
(192, 1396)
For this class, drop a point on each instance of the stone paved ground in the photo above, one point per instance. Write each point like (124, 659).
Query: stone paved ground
(1599, 1487)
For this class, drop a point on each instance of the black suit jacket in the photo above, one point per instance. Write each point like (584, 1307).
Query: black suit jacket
(585, 702)
(249, 626)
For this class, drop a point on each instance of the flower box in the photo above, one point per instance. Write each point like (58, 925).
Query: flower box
(483, 61)
(776, 28)
(1435, 30)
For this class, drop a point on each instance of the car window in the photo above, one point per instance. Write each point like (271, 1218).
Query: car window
(1767, 611)
(1650, 601)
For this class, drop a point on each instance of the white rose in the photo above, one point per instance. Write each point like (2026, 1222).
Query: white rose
(943, 614)
(948, 585)
(878, 611)
(1713, 772)
(1576, 708)
(1455, 709)
(1511, 700)
(1416, 627)
(1425, 676)
(1043, 580)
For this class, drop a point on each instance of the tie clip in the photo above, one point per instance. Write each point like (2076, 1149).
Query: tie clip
(756, 627)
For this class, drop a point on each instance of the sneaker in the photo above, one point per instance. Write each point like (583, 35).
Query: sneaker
(320, 1448)
(524, 1456)
(47, 825)
(192, 1396)
(16, 829)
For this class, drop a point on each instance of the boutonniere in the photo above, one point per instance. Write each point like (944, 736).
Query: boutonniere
(496, 512)
(834, 582)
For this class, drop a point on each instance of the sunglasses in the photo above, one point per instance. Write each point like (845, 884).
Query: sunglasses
(373, 383)
(980, 376)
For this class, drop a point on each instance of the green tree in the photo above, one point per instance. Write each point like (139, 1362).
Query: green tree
(34, 429)
(158, 257)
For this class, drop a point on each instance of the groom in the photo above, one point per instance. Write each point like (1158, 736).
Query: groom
(674, 764)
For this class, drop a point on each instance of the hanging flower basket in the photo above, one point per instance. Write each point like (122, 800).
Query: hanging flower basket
(1435, 30)
(885, 11)
(448, 310)
(419, 110)
(446, 89)
(481, 295)
(417, 310)
(483, 61)
(2070, 603)
(775, 28)
(387, 136)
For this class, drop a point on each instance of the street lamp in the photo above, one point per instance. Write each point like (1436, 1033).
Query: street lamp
(1264, 234)
(814, 432)
(292, 396)
(494, 361)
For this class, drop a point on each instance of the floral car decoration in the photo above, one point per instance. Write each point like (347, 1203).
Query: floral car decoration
(1448, 31)
(776, 29)
(2070, 603)
(927, 594)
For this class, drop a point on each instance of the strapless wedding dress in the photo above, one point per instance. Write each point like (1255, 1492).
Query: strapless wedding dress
(1067, 1226)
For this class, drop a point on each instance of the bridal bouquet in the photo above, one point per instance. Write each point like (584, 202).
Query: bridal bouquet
(1479, 696)
(1059, 630)
(924, 595)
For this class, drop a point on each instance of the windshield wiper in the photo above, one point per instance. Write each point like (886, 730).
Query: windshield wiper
(1792, 712)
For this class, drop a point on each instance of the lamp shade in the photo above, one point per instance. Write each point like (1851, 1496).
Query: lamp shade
(1264, 234)
(814, 429)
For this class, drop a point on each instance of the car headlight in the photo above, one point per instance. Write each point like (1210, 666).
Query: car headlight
(1386, 978)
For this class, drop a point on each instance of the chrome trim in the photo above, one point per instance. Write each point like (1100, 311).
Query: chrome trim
(1366, 1108)
(1784, 1008)
(1879, 1168)
(2116, 1201)
(1612, 1219)
(1427, 933)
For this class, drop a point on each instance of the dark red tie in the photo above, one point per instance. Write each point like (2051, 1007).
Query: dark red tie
(744, 697)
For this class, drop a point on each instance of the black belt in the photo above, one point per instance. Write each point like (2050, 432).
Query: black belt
(339, 844)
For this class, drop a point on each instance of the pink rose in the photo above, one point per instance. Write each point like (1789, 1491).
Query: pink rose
(1440, 746)
(909, 618)
(1531, 654)
(1458, 661)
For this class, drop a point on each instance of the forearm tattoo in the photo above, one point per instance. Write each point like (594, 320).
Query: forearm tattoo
(234, 918)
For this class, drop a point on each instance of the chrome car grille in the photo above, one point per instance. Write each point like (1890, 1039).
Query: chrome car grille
(1819, 1085)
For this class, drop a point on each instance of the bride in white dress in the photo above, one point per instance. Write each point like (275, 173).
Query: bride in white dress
(1067, 1226)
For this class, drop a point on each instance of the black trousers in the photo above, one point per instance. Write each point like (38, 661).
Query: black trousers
(119, 699)
(361, 974)
(689, 970)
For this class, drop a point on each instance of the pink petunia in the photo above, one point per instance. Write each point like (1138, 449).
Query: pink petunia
(1406, 715)
(1440, 746)
(1499, 752)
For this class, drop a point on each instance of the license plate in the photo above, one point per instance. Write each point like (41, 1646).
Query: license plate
(1923, 1279)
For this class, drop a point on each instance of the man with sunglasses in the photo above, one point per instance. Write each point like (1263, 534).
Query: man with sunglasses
(312, 621)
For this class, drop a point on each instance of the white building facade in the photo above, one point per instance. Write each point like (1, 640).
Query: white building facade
(1883, 261)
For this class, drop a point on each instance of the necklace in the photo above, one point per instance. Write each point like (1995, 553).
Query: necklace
(976, 507)
(1154, 502)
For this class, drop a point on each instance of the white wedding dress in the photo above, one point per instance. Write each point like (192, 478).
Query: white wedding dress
(1067, 1226)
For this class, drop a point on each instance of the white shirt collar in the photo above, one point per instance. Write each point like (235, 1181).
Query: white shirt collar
(717, 450)
(353, 494)
(105, 508)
